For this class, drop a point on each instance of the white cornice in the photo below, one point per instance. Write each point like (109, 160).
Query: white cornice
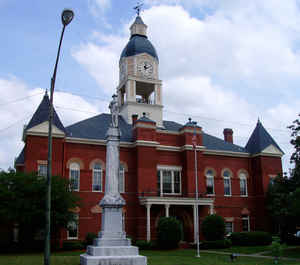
(225, 153)
(167, 132)
(268, 154)
(190, 147)
(168, 148)
(44, 134)
(175, 201)
(142, 124)
(146, 143)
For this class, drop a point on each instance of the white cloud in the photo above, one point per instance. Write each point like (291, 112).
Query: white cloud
(98, 6)
(19, 102)
(222, 67)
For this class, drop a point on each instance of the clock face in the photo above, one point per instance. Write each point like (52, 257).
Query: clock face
(145, 68)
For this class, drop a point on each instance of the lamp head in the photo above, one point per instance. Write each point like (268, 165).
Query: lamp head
(66, 16)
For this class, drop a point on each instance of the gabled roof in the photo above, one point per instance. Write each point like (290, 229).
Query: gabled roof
(214, 143)
(21, 158)
(42, 114)
(260, 139)
(96, 128)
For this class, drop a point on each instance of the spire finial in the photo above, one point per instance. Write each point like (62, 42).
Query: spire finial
(138, 8)
(258, 120)
(46, 92)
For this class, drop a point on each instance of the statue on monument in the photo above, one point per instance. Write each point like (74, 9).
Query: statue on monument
(114, 110)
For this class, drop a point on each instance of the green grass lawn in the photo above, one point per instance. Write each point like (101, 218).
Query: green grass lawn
(172, 257)
(245, 250)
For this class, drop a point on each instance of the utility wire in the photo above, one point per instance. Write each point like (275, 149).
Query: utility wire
(20, 99)
(13, 124)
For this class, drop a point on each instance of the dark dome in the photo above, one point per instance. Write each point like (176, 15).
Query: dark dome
(138, 44)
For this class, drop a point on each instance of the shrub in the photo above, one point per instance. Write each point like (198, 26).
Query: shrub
(255, 238)
(213, 227)
(89, 238)
(276, 249)
(169, 232)
(217, 244)
(145, 245)
(73, 245)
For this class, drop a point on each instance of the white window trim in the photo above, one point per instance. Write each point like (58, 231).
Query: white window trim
(71, 238)
(213, 181)
(70, 169)
(172, 169)
(232, 226)
(244, 178)
(123, 171)
(38, 171)
(101, 179)
(229, 178)
(248, 220)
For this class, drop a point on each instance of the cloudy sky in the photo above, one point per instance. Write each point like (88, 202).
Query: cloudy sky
(223, 63)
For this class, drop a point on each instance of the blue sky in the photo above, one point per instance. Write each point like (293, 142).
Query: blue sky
(224, 63)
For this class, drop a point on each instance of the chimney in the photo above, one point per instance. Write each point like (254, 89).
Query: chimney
(228, 135)
(134, 118)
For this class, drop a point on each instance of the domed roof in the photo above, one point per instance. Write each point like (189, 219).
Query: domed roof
(139, 44)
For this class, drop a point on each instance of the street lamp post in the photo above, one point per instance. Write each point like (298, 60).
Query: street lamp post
(196, 183)
(66, 17)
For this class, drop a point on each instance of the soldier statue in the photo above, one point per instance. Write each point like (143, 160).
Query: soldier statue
(114, 110)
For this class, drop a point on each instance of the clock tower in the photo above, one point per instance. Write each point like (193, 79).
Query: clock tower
(139, 89)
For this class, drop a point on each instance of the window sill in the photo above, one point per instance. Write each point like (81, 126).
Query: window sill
(244, 195)
(72, 238)
(225, 195)
(97, 191)
(213, 194)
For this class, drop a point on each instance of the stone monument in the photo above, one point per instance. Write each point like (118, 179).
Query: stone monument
(112, 247)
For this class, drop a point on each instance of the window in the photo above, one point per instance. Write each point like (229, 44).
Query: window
(121, 179)
(42, 170)
(74, 176)
(97, 177)
(245, 224)
(227, 183)
(72, 232)
(243, 184)
(210, 182)
(169, 181)
(228, 227)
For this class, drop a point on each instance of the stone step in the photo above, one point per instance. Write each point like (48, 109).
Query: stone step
(109, 260)
(112, 251)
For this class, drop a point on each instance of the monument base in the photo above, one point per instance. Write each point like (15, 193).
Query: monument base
(126, 255)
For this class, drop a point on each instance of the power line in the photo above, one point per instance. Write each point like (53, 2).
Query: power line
(20, 99)
(13, 124)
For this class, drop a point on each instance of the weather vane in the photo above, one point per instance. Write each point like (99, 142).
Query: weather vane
(138, 8)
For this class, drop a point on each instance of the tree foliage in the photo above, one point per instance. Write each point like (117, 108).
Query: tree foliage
(213, 227)
(169, 232)
(283, 197)
(22, 201)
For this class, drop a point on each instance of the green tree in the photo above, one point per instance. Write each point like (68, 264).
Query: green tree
(213, 227)
(283, 195)
(22, 201)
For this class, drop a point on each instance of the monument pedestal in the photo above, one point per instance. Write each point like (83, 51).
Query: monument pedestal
(112, 247)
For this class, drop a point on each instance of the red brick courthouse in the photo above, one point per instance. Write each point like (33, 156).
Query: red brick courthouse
(157, 173)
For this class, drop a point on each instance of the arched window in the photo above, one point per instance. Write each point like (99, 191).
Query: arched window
(121, 179)
(97, 177)
(227, 182)
(243, 184)
(210, 182)
(74, 176)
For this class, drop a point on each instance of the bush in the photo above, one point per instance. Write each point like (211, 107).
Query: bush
(89, 238)
(225, 243)
(169, 232)
(145, 245)
(276, 249)
(213, 227)
(73, 245)
(255, 238)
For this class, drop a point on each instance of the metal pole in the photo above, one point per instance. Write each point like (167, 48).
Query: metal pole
(197, 196)
(49, 165)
